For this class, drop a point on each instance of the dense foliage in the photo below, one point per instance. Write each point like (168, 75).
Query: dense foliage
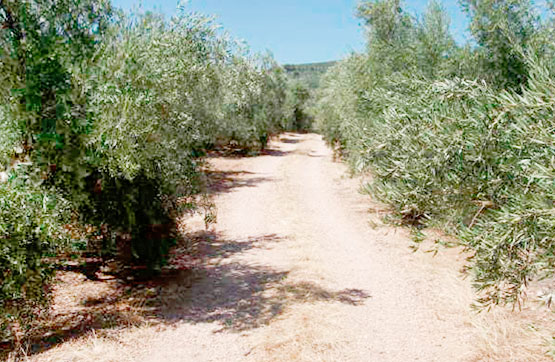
(298, 102)
(104, 118)
(461, 137)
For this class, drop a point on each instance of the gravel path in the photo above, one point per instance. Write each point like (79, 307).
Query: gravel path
(304, 276)
(299, 267)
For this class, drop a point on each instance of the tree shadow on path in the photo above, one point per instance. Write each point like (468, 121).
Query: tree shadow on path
(215, 287)
(240, 296)
(226, 181)
(210, 286)
(236, 153)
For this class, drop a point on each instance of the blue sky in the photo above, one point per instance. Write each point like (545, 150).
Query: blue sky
(295, 31)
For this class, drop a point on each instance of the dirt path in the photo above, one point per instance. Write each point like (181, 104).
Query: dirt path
(307, 277)
(298, 269)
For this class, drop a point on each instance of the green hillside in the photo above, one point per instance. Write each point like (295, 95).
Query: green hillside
(309, 73)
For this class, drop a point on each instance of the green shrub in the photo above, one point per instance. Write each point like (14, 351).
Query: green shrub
(454, 151)
(104, 117)
(30, 227)
(253, 101)
(44, 46)
(298, 101)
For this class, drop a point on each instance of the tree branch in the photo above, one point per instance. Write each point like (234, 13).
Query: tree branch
(10, 22)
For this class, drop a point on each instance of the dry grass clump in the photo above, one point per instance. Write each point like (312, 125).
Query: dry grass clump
(81, 306)
(302, 335)
(501, 332)
(506, 335)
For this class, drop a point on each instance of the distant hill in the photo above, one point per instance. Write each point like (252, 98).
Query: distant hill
(309, 73)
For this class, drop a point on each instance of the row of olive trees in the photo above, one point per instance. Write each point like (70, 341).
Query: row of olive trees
(457, 136)
(103, 118)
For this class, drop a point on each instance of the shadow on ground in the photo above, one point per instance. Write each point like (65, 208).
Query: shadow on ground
(212, 289)
(289, 140)
(240, 296)
(226, 181)
(242, 153)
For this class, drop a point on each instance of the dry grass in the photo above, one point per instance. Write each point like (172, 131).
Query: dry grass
(302, 335)
(87, 309)
(91, 347)
(502, 333)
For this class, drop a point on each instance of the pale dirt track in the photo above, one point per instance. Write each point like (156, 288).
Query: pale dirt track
(301, 270)
(307, 276)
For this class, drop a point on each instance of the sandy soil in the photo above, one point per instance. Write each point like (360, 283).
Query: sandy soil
(299, 267)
